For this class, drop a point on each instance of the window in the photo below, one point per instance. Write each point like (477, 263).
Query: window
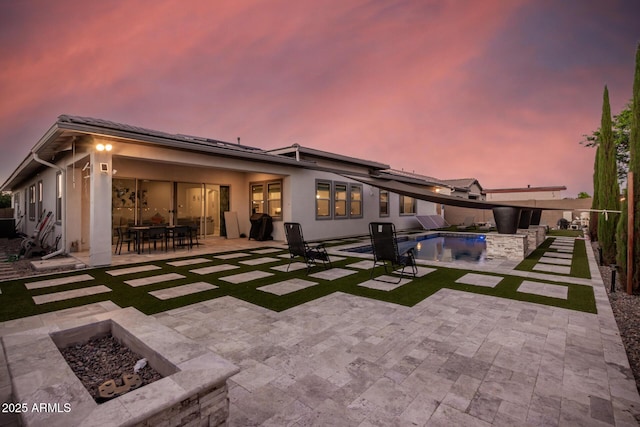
(32, 202)
(274, 199)
(407, 205)
(39, 198)
(257, 198)
(323, 200)
(266, 197)
(384, 203)
(340, 200)
(59, 196)
(355, 200)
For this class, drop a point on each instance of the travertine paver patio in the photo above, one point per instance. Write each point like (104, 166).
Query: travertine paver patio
(455, 358)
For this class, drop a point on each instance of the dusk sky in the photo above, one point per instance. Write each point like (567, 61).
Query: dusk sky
(501, 91)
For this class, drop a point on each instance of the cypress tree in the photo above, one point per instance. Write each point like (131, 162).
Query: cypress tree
(609, 191)
(634, 166)
(595, 202)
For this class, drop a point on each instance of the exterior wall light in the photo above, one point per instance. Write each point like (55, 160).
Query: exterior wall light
(103, 147)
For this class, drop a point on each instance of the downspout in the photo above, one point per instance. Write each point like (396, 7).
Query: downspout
(64, 200)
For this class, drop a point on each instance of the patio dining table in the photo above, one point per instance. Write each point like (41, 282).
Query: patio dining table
(139, 231)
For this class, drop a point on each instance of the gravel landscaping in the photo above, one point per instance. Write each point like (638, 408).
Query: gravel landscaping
(103, 359)
(626, 310)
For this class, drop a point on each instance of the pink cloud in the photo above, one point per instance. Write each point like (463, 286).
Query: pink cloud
(447, 89)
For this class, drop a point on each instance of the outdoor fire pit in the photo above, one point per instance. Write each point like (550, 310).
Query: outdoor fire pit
(192, 387)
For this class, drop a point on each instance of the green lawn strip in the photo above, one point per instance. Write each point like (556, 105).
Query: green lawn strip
(529, 262)
(580, 262)
(17, 300)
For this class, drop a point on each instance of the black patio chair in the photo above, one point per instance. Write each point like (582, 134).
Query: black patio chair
(299, 248)
(181, 237)
(123, 236)
(156, 235)
(384, 244)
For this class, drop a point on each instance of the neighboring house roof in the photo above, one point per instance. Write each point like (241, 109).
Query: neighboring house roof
(525, 189)
(462, 183)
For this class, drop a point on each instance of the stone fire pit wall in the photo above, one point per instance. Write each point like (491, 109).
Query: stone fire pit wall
(192, 392)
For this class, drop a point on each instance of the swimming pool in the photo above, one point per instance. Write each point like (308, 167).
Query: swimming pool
(444, 247)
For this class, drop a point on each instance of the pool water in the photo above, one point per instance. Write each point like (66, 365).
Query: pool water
(451, 248)
(444, 247)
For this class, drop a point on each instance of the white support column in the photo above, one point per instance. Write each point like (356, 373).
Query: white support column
(100, 209)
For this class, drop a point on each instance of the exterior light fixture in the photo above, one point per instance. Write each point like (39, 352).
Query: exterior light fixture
(103, 147)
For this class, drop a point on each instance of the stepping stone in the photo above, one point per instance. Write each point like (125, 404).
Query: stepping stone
(213, 269)
(334, 258)
(154, 279)
(332, 274)
(552, 268)
(566, 251)
(480, 280)
(294, 266)
(544, 289)
(179, 291)
(363, 265)
(190, 261)
(288, 286)
(266, 251)
(232, 255)
(384, 283)
(57, 282)
(74, 293)
(131, 270)
(246, 277)
(557, 261)
(259, 261)
(558, 255)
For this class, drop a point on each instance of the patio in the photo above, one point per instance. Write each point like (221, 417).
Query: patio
(452, 358)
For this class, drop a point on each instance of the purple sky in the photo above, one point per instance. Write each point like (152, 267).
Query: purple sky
(501, 91)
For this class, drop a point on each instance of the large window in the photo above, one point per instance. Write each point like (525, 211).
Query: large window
(274, 199)
(266, 197)
(59, 196)
(340, 200)
(323, 199)
(39, 199)
(345, 200)
(407, 205)
(32, 202)
(384, 203)
(355, 200)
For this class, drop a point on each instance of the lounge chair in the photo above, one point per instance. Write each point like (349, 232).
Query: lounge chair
(385, 250)
(468, 223)
(299, 248)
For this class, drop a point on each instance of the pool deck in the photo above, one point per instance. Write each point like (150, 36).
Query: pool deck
(456, 358)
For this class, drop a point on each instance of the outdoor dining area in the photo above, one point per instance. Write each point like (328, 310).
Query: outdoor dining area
(160, 236)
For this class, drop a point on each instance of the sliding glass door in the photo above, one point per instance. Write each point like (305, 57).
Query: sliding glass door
(199, 204)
